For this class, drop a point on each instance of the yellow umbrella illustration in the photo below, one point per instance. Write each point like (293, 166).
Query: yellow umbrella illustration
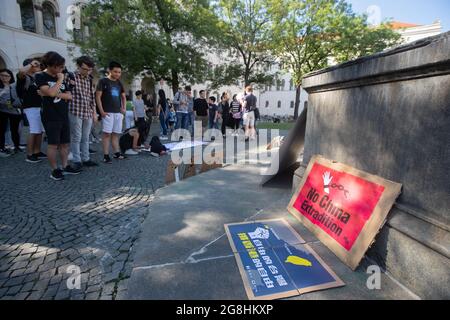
(298, 261)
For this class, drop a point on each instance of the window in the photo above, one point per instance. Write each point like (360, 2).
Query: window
(292, 104)
(279, 104)
(283, 83)
(291, 85)
(195, 94)
(27, 15)
(49, 18)
(267, 104)
(80, 29)
(278, 85)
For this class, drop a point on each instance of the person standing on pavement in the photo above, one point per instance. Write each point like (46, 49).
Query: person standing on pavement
(201, 109)
(249, 113)
(111, 101)
(224, 112)
(9, 111)
(181, 102)
(162, 113)
(82, 113)
(139, 109)
(31, 105)
(54, 86)
(236, 114)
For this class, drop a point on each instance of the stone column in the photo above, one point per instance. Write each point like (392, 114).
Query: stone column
(39, 18)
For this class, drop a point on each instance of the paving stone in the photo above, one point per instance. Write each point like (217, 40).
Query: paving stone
(52, 226)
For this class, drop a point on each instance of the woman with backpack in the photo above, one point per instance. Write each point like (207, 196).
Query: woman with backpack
(9, 111)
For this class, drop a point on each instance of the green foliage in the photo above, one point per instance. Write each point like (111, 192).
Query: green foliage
(166, 38)
(307, 35)
(244, 26)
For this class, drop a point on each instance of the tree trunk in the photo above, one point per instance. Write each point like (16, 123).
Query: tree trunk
(175, 82)
(246, 77)
(297, 101)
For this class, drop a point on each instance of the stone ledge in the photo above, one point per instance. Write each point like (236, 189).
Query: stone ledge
(423, 56)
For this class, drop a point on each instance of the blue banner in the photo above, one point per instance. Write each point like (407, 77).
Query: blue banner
(275, 262)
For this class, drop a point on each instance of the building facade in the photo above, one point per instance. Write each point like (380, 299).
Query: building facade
(29, 28)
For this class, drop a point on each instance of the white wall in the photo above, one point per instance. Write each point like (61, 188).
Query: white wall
(16, 44)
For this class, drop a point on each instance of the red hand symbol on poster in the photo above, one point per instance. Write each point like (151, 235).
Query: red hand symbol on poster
(342, 208)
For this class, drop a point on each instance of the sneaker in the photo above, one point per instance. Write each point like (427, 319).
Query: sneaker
(163, 138)
(90, 163)
(131, 152)
(118, 156)
(33, 159)
(17, 150)
(92, 151)
(77, 166)
(57, 175)
(41, 155)
(4, 153)
(107, 159)
(71, 170)
(154, 154)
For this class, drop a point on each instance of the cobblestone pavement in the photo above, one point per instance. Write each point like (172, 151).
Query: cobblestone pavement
(91, 220)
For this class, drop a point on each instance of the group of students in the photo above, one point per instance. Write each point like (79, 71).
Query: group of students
(241, 110)
(66, 105)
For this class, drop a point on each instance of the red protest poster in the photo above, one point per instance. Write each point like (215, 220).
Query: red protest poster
(343, 206)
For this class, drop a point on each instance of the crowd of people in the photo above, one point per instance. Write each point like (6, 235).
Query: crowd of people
(239, 112)
(66, 106)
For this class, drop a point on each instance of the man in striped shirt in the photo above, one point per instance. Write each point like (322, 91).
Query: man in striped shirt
(82, 113)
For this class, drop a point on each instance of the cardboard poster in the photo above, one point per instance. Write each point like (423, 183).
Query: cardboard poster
(343, 207)
(275, 262)
(172, 146)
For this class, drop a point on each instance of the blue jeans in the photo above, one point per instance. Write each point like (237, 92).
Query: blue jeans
(212, 124)
(182, 120)
(162, 121)
(80, 130)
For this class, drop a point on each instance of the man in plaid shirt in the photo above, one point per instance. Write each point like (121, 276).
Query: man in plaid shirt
(82, 113)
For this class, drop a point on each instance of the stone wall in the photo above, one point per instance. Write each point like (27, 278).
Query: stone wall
(389, 114)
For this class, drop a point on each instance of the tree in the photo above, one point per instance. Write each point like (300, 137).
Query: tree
(308, 34)
(244, 29)
(166, 38)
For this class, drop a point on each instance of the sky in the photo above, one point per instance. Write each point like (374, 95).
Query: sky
(411, 11)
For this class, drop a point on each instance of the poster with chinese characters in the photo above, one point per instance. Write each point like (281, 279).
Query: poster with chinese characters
(275, 262)
(343, 207)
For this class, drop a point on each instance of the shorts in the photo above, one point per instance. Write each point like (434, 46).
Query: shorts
(112, 123)
(249, 119)
(58, 132)
(34, 120)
